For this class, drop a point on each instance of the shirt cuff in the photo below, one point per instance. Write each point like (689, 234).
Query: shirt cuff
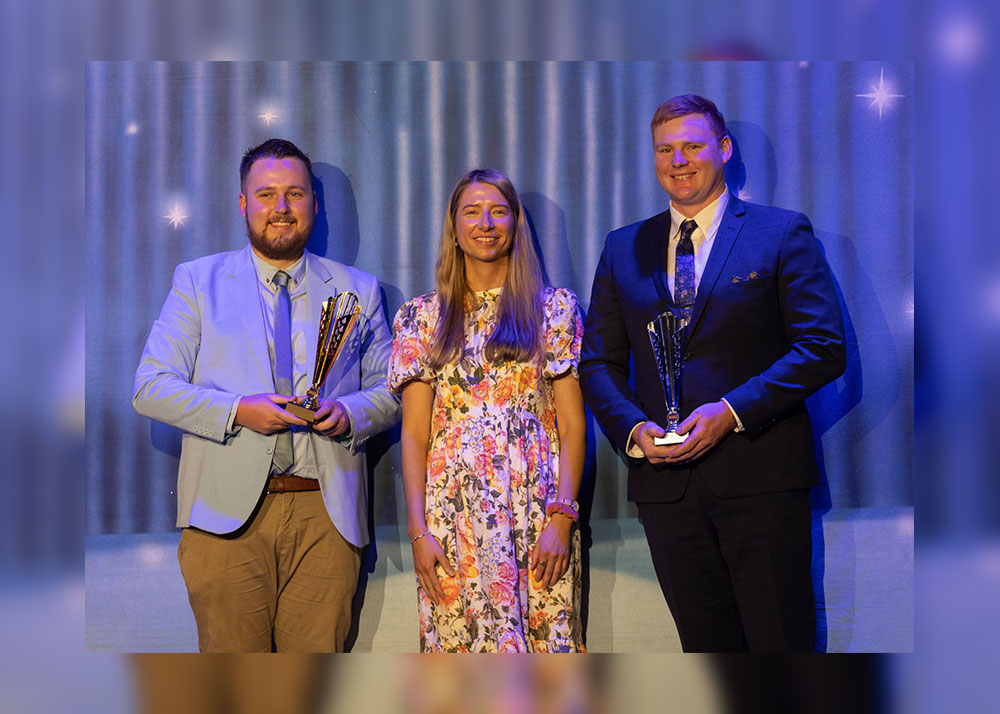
(231, 426)
(739, 425)
(631, 448)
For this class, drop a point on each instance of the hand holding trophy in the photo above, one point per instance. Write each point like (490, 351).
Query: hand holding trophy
(338, 317)
(665, 333)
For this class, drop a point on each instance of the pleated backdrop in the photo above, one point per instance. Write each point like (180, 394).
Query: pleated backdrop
(389, 140)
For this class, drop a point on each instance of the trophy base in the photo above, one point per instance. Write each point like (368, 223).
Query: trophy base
(301, 412)
(669, 439)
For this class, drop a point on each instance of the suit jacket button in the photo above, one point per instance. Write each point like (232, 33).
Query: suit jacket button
(269, 449)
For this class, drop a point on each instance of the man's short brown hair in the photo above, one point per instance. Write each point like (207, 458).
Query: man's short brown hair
(271, 149)
(685, 104)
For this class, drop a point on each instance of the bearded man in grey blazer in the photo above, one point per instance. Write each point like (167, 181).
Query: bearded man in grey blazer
(273, 526)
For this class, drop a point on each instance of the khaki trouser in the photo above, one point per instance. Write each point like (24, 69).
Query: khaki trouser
(289, 576)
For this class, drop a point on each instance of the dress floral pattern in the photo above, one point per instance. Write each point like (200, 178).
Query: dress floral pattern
(492, 465)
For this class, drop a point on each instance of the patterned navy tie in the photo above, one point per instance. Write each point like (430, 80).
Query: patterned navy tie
(684, 288)
(283, 457)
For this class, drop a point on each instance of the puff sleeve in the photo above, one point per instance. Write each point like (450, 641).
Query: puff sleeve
(412, 332)
(563, 333)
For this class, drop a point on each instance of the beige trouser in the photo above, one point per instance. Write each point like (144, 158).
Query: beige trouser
(290, 576)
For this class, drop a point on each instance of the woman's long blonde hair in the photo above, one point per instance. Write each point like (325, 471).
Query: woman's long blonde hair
(520, 315)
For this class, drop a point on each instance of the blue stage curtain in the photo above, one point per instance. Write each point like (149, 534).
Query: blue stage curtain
(388, 141)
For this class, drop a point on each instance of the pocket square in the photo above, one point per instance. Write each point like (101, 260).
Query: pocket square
(754, 275)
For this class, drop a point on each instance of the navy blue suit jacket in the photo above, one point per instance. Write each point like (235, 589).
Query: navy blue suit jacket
(765, 333)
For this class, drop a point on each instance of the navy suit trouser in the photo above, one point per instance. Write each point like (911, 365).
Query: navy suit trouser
(736, 572)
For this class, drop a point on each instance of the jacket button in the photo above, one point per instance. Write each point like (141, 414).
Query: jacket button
(269, 450)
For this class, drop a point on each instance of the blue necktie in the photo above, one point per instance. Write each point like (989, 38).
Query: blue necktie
(283, 455)
(684, 287)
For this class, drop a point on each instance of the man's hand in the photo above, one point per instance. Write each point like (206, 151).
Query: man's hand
(706, 427)
(331, 418)
(264, 414)
(643, 437)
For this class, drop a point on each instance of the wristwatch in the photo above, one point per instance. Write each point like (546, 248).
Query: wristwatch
(575, 505)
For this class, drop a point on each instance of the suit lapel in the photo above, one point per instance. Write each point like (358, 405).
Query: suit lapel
(245, 298)
(729, 229)
(652, 253)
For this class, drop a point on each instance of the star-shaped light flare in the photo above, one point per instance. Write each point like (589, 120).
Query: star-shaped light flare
(880, 94)
(176, 216)
(269, 115)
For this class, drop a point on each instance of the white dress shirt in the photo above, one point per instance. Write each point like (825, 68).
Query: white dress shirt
(305, 462)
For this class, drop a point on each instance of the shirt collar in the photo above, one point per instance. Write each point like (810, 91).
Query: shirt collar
(265, 271)
(708, 218)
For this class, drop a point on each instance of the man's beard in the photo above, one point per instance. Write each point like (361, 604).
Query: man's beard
(289, 248)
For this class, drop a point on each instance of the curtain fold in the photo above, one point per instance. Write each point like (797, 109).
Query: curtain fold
(388, 141)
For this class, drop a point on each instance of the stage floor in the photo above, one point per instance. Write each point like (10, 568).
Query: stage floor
(136, 601)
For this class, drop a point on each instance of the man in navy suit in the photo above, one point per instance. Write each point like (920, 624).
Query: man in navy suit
(726, 512)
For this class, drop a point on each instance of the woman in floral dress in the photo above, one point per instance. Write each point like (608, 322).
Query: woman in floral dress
(493, 437)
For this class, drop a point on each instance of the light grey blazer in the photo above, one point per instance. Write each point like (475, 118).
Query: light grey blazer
(209, 345)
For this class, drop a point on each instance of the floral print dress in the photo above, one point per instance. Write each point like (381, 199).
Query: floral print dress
(492, 466)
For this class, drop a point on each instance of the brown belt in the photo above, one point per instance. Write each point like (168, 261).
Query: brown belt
(286, 483)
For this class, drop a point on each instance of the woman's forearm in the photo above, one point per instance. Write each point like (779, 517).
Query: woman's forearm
(418, 399)
(572, 426)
